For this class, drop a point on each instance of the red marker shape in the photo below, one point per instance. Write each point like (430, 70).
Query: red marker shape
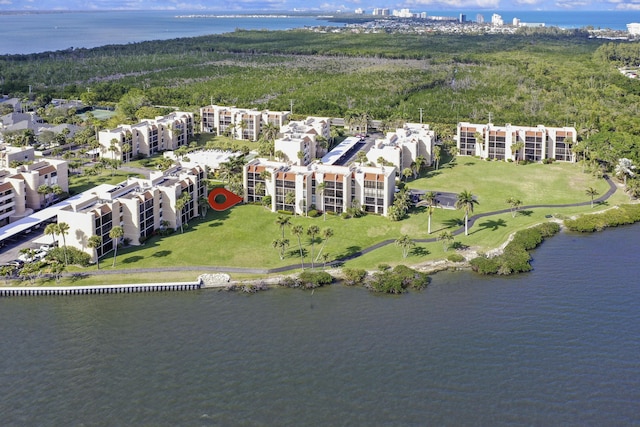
(221, 199)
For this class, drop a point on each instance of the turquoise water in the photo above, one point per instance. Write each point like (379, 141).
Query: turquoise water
(30, 33)
(558, 346)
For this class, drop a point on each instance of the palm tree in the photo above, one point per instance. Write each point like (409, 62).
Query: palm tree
(94, 243)
(281, 156)
(62, 229)
(282, 245)
(298, 231)
(290, 199)
(241, 126)
(420, 162)
(437, 154)
(479, 139)
(51, 229)
(181, 203)
(568, 151)
(406, 243)
(203, 204)
(516, 148)
(313, 231)
(113, 148)
(327, 233)
(320, 188)
(259, 189)
(45, 190)
(430, 198)
(466, 202)
(625, 168)
(361, 157)
(592, 192)
(445, 237)
(126, 151)
(56, 190)
(406, 173)
(515, 204)
(116, 233)
(283, 221)
(265, 175)
(270, 132)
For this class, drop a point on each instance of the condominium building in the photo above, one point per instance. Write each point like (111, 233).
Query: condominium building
(139, 206)
(381, 11)
(402, 147)
(21, 188)
(305, 140)
(634, 28)
(239, 123)
(11, 155)
(497, 20)
(516, 142)
(317, 186)
(147, 137)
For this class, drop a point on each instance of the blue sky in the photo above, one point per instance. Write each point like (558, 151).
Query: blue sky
(319, 5)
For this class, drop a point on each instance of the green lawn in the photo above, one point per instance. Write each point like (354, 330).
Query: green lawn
(493, 182)
(242, 236)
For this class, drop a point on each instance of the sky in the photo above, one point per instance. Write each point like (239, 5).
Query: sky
(317, 5)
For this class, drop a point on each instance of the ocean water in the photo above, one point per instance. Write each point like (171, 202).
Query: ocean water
(555, 347)
(31, 33)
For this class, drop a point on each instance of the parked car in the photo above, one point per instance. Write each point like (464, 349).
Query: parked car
(16, 263)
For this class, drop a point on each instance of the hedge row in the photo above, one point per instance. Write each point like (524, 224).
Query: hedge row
(625, 214)
(515, 258)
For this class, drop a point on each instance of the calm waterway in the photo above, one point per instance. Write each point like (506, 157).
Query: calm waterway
(558, 346)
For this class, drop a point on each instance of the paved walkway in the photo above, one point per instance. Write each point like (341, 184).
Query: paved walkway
(471, 221)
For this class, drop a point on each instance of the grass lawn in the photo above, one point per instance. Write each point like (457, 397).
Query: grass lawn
(243, 235)
(494, 182)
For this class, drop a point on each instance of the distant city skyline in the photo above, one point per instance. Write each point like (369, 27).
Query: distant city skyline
(319, 5)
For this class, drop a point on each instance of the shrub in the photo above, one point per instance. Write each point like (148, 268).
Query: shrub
(315, 279)
(485, 265)
(285, 212)
(74, 256)
(526, 239)
(313, 213)
(308, 280)
(455, 257)
(345, 215)
(548, 229)
(398, 280)
(354, 276)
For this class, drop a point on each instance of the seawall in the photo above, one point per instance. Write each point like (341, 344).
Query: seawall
(99, 289)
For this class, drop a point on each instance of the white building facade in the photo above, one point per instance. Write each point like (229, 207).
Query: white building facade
(139, 206)
(402, 147)
(147, 137)
(239, 123)
(316, 186)
(510, 142)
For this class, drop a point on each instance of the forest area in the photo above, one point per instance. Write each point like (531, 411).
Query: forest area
(554, 79)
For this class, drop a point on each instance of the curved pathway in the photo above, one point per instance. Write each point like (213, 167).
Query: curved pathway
(471, 221)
